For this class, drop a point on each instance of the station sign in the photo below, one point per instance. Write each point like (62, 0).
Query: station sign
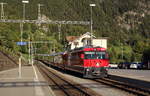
(21, 43)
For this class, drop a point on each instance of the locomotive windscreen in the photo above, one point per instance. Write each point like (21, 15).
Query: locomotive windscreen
(95, 55)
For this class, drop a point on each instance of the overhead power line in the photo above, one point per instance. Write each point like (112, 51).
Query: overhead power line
(46, 22)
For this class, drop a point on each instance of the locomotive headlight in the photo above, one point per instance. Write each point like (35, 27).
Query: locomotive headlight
(97, 64)
(87, 69)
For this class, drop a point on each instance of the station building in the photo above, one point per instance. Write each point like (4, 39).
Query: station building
(85, 40)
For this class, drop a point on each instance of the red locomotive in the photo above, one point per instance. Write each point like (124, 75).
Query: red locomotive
(92, 62)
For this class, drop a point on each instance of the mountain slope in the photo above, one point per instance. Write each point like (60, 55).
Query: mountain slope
(125, 22)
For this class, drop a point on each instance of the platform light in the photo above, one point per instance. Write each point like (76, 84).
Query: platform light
(25, 1)
(93, 5)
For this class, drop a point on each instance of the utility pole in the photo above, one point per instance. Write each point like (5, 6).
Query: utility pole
(21, 30)
(29, 47)
(20, 58)
(39, 11)
(122, 52)
(2, 11)
(92, 5)
(59, 31)
(32, 62)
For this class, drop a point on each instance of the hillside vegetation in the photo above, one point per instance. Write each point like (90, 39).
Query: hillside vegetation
(124, 22)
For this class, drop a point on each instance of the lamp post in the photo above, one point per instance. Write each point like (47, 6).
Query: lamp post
(24, 16)
(21, 29)
(24, 5)
(21, 24)
(91, 5)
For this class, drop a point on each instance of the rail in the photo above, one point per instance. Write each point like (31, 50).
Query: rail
(139, 91)
(67, 87)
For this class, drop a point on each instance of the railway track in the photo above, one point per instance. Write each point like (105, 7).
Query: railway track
(136, 90)
(63, 86)
(128, 87)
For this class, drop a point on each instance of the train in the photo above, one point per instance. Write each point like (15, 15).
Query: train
(91, 62)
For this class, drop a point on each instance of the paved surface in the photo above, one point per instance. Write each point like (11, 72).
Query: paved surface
(131, 73)
(101, 89)
(31, 83)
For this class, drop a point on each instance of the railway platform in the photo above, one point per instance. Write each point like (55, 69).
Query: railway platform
(131, 73)
(29, 83)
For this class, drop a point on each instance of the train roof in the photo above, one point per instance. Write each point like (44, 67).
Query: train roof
(88, 48)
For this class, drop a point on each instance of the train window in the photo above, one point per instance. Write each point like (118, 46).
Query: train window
(101, 55)
(95, 55)
(90, 55)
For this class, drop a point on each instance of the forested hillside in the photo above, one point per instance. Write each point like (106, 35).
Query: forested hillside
(124, 22)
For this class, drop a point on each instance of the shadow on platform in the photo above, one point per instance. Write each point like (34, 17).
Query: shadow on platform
(23, 84)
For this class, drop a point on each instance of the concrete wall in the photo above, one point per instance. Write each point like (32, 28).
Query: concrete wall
(100, 42)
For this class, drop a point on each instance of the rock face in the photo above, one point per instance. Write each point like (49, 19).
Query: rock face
(6, 62)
